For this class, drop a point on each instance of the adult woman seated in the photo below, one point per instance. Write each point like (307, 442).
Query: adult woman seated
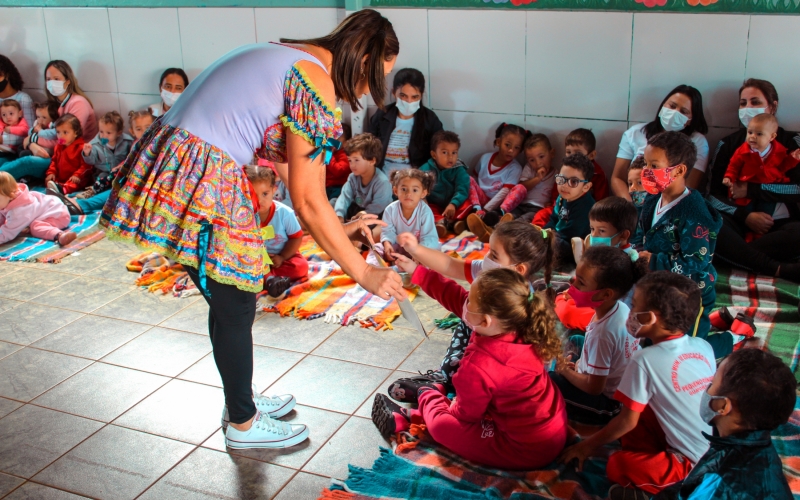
(680, 111)
(172, 84)
(777, 248)
(405, 127)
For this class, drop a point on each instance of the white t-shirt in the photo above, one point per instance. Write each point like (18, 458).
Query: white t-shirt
(608, 347)
(633, 143)
(157, 109)
(542, 193)
(284, 223)
(472, 268)
(397, 150)
(670, 377)
(660, 211)
(492, 179)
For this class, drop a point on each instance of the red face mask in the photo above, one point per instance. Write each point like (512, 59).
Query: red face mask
(655, 181)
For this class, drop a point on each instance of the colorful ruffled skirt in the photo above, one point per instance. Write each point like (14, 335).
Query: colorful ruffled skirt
(187, 199)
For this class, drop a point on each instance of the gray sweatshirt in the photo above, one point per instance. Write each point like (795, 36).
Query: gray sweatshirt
(372, 198)
(104, 157)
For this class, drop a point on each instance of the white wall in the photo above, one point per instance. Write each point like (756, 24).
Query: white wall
(549, 70)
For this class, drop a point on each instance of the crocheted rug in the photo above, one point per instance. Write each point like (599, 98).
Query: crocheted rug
(334, 296)
(418, 468)
(30, 249)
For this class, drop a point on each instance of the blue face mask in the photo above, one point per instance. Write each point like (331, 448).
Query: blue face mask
(103, 141)
(638, 197)
(601, 241)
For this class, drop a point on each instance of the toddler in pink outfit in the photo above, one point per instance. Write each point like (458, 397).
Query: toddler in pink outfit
(21, 210)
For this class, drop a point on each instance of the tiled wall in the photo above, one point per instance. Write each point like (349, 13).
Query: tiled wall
(552, 71)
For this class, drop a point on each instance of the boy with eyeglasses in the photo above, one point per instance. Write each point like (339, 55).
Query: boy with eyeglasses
(570, 216)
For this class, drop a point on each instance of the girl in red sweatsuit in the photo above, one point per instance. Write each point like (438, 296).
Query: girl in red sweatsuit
(508, 413)
(68, 171)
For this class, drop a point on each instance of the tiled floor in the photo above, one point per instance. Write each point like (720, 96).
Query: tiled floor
(108, 391)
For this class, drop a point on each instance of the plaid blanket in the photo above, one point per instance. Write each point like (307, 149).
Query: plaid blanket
(28, 248)
(421, 469)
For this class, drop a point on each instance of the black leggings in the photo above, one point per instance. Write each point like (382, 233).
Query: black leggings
(764, 255)
(230, 326)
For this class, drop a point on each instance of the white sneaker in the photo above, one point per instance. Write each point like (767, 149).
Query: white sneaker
(274, 406)
(266, 433)
(577, 249)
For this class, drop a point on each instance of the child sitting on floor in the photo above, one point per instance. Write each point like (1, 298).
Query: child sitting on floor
(68, 171)
(46, 116)
(409, 214)
(570, 217)
(603, 276)
(760, 159)
(497, 174)
(612, 222)
(678, 228)
(106, 151)
(508, 413)
(514, 245)
(752, 394)
(582, 141)
(635, 188)
(283, 246)
(338, 169)
(449, 198)
(20, 209)
(538, 178)
(367, 188)
(661, 391)
(13, 128)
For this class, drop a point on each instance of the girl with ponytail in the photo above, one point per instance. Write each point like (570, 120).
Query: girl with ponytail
(509, 414)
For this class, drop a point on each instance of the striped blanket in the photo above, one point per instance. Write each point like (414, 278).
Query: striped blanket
(28, 248)
(419, 469)
(331, 294)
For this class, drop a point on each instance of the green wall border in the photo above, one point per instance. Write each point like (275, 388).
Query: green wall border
(719, 6)
(339, 4)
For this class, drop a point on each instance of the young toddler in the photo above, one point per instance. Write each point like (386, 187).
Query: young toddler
(760, 159)
(570, 216)
(752, 394)
(139, 122)
(582, 141)
(45, 216)
(661, 392)
(367, 188)
(46, 116)
(449, 197)
(107, 150)
(409, 214)
(538, 178)
(603, 276)
(13, 128)
(285, 237)
(678, 228)
(497, 174)
(635, 188)
(508, 414)
(68, 171)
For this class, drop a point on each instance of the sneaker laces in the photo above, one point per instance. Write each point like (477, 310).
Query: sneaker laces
(261, 400)
(265, 423)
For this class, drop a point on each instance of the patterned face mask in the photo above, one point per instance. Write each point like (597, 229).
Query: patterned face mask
(638, 197)
(656, 180)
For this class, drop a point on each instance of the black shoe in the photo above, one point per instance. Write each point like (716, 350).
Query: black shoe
(618, 492)
(405, 390)
(72, 207)
(54, 186)
(492, 218)
(383, 415)
(277, 285)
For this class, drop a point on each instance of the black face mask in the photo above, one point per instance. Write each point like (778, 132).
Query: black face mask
(3, 85)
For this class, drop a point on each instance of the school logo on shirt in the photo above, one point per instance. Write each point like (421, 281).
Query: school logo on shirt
(497, 185)
(688, 361)
(631, 347)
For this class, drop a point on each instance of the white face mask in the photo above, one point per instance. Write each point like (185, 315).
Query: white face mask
(169, 98)
(747, 114)
(56, 87)
(672, 120)
(408, 108)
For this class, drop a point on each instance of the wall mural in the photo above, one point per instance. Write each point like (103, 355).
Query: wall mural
(686, 6)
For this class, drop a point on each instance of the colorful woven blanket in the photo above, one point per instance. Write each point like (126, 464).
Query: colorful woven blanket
(421, 469)
(158, 273)
(28, 248)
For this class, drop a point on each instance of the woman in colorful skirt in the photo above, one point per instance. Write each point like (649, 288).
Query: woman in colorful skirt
(182, 191)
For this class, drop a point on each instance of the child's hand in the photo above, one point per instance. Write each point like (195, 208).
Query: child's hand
(408, 241)
(277, 260)
(37, 127)
(49, 178)
(577, 452)
(404, 263)
(388, 252)
(727, 182)
(75, 179)
(796, 154)
(449, 212)
(645, 255)
(87, 149)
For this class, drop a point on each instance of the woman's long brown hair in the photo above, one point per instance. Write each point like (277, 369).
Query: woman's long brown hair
(365, 33)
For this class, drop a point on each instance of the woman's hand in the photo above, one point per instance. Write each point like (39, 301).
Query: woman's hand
(383, 282)
(356, 230)
(449, 211)
(758, 222)
(738, 190)
(404, 263)
(408, 241)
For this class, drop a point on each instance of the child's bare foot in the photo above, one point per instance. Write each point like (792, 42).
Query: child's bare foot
(66, 237)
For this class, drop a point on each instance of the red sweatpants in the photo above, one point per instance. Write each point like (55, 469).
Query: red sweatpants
(572, 316)
(49, 229)
(294, 268)
(645, 460)
(461, 211)
(481, 442)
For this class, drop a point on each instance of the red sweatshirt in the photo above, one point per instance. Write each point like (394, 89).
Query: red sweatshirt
(68, 161)
(502, 379)
(599, 183)
(747, 165)
(338, 170)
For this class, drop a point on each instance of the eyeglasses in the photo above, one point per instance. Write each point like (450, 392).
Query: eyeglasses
(572, 182)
